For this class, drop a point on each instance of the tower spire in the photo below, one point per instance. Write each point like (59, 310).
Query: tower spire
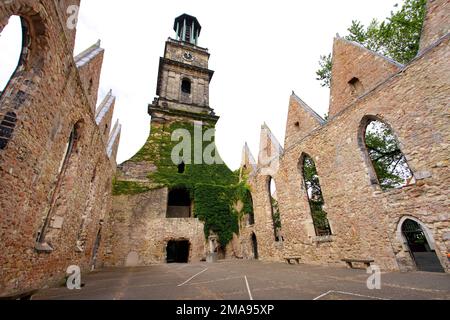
(187, 29)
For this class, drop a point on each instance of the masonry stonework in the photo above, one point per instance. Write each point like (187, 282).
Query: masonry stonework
(51, 210)
(366, 221)
(64, 201)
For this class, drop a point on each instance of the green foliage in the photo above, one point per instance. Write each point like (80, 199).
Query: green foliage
(388, 161)
(324, 72)
(128, 188)
(276, 214)
(214, 188)
(213, 205)
(320, 218)
(397, 37)
(315, 197)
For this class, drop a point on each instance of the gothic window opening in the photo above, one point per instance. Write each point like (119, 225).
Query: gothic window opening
(186, 86)
(42, 244)
(11, 49)
(179, 204)
(315, 197)
(7, 126)
(250, 212)
(276, 217)
(389, 165)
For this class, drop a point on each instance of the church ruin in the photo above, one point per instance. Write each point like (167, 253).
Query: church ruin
(316, 198)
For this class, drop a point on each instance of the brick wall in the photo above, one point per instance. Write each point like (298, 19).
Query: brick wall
(48, 98)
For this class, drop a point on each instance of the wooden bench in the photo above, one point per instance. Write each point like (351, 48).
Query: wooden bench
(289, 260)
(367, 262)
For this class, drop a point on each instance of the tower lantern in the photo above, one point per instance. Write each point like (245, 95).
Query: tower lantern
(187, 29)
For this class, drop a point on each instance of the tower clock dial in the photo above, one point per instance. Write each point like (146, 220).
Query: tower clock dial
(188, 56)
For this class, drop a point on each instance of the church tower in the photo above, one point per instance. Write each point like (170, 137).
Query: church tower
(183, 76)
(173, 204)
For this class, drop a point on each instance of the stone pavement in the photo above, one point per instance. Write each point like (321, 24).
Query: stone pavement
(242, 280)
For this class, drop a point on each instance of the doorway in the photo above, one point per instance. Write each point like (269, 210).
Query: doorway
(178, 251)
(255, 246)
(421, 249)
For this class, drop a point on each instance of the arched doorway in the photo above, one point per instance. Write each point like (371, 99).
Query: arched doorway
(255, 246)
(178, 251)
(421, 246)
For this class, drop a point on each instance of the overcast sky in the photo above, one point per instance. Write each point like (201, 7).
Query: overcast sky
(260, 52)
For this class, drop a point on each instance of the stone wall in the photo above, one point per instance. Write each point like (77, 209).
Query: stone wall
(37, 188)
(140, 229)
(364, 219)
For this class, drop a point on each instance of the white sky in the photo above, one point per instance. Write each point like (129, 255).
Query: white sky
(260, 52)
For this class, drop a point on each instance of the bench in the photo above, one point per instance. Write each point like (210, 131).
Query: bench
(367, 262)
(289, 260)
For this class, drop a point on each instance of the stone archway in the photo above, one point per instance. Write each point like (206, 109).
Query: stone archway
(178, 251)
(420, 243)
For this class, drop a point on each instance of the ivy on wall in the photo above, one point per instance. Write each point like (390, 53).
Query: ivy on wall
(128, 188)
(214, 188)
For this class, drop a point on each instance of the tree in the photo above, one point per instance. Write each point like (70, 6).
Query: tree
(388, 160)
(397, 37)
(315, 197)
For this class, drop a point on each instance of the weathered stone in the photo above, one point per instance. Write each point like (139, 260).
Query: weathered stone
(63, 205)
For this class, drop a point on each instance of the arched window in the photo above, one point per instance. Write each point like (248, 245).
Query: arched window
(315, 197)
(389, 166)
(179, 203)
(11, 49)
(186, 86)
(251, 213)
(248, 214)
(7, 126)
(276, 217)
(71, 148)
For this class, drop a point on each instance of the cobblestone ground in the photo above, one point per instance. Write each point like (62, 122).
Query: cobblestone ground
(244, 280)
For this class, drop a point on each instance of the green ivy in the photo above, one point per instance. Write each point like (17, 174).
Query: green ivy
(214, 188)
(128, 188)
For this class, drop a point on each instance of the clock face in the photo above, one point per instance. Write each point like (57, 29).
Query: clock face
(188, 56)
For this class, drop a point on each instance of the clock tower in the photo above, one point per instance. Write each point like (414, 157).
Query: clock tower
(183, 76)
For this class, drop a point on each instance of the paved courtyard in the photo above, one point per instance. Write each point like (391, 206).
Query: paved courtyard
(246, 280)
